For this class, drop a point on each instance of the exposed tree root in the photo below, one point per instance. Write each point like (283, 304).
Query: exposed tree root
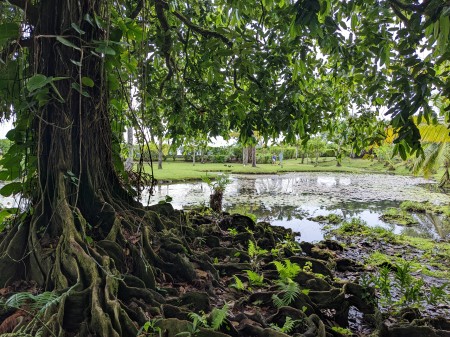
(161, 268)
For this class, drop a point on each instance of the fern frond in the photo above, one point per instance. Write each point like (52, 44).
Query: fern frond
(255, 278)
(291, 293)
(198, 320)
(45, 300)
(19, 300)
(277, 301)
(218, 317)
(252, 250)
(287, 270)
(238, 284)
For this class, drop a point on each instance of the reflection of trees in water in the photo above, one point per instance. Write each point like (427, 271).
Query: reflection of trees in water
(432, 223)
(246, 187)
(279, 212)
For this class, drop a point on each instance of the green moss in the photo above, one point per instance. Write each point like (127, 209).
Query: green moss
(330, 218)
(355, 226)
(398, 217)
(412, 206)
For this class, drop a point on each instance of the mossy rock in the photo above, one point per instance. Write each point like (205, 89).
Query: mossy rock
(362, 298)
(232, 268)
(317, 266)
(331, 245)
(321, 254)
(344, 265)
(196, 300)
(240, 222)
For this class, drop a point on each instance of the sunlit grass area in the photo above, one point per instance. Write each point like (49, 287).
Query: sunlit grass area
(182, 170)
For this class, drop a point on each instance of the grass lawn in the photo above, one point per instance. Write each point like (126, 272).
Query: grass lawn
(180, 170)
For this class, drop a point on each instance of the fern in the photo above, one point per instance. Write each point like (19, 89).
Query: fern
(254, 250)
(287, 327)
(46, 300)
(19, 300)
(255, 279)
(198, 320)
(287, 270)
(238, 284)
(291, 291)
(218, 317)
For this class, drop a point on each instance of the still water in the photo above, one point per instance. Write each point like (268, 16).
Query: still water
(291, 199)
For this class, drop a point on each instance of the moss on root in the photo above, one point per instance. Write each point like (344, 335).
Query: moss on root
(158, 270)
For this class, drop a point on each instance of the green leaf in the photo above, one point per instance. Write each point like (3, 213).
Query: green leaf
(78, 29)
(11, 188)
(9, 31)
(37, 82)
(76, 86)
(105, 49)
(67, 42)
(87, 81)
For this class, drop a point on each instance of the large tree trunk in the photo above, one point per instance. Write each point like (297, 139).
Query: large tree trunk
(245, 155)
(79, 198)
(253, 149)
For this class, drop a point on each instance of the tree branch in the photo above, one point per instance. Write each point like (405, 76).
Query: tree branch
(202, 31)
(137, 10)
(31, 11)
(420, 8)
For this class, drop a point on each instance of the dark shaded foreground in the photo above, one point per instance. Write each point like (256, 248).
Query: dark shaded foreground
(209, 275)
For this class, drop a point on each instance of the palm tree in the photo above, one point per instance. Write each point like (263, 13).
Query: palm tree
(436, 142)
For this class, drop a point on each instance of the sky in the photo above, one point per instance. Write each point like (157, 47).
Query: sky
(4, 128)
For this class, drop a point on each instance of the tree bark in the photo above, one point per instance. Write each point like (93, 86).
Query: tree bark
(244, 156)
(160, 152)
(253, 150)
(78, 194)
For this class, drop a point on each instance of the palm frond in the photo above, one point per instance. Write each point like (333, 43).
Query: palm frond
(434, 133)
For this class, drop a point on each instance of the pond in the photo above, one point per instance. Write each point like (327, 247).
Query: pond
(291, 199)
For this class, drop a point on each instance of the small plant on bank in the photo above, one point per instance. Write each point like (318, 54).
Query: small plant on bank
(212, 321)
(291, 290)
(150, 328)
(233, 231)
(255, 252)
(287, 270)
(288, 326)
(354, 226)
(238, 284)
(255, 279)
(217, 189)
(438, 294)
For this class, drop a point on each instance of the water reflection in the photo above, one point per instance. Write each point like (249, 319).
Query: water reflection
(290, 199)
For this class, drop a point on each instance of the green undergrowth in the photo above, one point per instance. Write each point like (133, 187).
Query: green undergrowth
(416, 207)
(426, 256)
